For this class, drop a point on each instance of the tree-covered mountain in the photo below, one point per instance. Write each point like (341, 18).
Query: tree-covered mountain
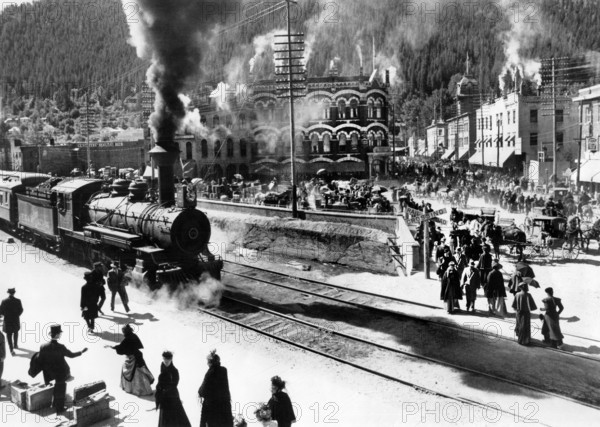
(56, 49)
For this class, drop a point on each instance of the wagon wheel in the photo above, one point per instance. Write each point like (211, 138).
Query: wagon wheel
(570, 252)
(547, 252)
(531, 252)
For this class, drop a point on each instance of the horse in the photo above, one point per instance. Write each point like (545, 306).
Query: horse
(588, 212)
(513, 236)
(590, 232)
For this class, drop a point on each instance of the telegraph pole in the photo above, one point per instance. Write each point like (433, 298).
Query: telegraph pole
(292, 47)
(554, 151)
(87, 126)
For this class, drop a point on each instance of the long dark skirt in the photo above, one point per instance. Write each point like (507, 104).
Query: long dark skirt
(523, 327)
(216, 414)
(172, 413)
(551, 329)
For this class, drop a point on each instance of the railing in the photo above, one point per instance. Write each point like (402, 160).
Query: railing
(396, 253)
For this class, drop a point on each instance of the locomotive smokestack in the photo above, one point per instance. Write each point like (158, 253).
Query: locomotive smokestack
(164, 157)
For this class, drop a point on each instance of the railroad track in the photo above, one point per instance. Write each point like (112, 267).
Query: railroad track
(379, 303)
(332, 344)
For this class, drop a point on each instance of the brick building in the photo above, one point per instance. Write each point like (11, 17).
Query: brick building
(341, 126)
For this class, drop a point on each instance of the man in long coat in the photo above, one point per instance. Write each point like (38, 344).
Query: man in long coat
(11, 308)
(52, 361)
(2, 356)
(90, 295)
(495, 292)
(523, 305)
(471, 281)
(451, 291)
(97, 278)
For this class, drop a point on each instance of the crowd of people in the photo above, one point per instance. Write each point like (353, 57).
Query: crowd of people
(473, 267)
(136, 377)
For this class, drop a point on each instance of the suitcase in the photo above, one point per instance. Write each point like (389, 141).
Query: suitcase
(18, 393)
(39, 397)
(92, 409)
(86, 390)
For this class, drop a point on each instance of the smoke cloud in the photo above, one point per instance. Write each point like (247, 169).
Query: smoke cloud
(173, 35)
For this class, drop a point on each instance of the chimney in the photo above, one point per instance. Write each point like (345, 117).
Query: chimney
(387, 77)
(164, 156)
(360, 72)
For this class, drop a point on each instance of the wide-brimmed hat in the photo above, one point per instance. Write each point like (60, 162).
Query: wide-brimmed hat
(88, 275)
(11, 290)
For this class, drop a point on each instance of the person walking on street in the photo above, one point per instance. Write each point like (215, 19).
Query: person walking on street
(551, 327)
(11, 308)
(90, 295)
(54, 366)
(523, 305)
(167, 398)
(451, 291)
(471, 281)
(136, 379)
(280, 404)
(495, 292)
(116, 285)
(97, 279)
(214, 394)
(485, 263)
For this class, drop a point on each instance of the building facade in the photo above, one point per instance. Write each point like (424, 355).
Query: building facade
(341, 127)
(588, 102)
(515, 130)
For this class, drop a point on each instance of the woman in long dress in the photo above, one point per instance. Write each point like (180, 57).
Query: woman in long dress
(280, 404)
(523, 305)
(214, 394)
(135, 377)
(551, 328)
(167, 398)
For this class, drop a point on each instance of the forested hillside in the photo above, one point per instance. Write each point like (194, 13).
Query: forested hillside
(49, 48)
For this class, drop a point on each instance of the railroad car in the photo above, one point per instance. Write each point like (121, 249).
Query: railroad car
(163, 242)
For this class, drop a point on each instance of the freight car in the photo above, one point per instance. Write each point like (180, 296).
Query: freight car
(163, 242)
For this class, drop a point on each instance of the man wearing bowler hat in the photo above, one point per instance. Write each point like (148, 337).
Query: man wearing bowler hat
(52, 361)
(11, 308)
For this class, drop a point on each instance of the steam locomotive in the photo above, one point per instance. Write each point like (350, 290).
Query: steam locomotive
(164, 242)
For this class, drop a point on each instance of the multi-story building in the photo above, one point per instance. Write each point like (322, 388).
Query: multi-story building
(341, 127)
(437, 139)
(515, 131)
(588, 99)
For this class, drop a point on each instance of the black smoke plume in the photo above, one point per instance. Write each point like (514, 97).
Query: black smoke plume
(173, 34)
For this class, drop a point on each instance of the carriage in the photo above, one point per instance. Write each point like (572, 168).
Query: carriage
(549, 235)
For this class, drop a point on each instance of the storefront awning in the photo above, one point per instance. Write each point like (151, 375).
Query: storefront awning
(589, 172)
(449, 153)
(509, 140)
(475, 159)
(463, 153)
(491, 157)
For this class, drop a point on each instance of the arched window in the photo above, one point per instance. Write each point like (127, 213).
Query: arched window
(203, 120)
(217, 148)
(342, 138)
(271, 111)
(379, 139)
(354, 139)
(229, 147)
(229, 121)
(354, 109)
(370, 139)
(326, 109)
(378, 109)
(341, 109)
(188, 150)
(204, 148)
(314, 143)
(326, 143)
(243, 148)
(242, 120)
(370, 109)
(216, 121)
